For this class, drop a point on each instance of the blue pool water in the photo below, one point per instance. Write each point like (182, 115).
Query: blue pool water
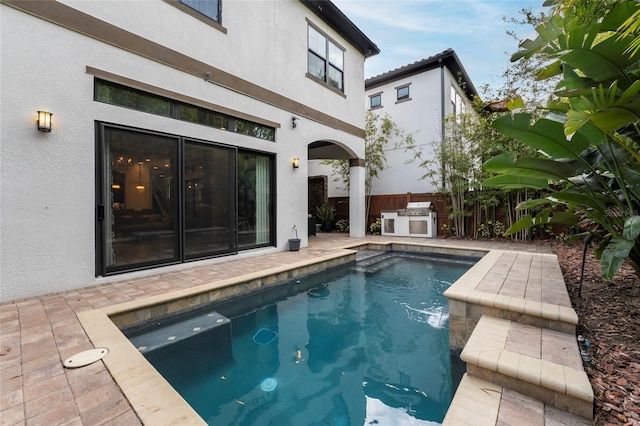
(354, 346)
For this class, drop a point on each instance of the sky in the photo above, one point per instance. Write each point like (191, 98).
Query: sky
(407, 31)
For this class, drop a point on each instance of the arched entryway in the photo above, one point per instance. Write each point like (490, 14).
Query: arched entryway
(335, 150)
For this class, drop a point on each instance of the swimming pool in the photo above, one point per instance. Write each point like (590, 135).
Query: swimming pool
(349, 346)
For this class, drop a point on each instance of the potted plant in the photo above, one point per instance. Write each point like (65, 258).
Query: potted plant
(326, 214)
(294, 243)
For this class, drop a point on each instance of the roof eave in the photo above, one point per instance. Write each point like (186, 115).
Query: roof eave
(446, 58)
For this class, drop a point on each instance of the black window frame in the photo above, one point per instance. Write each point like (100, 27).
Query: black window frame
(375, 96)
(403, 98)
(202, 17)
(200, 11)
(327, 64)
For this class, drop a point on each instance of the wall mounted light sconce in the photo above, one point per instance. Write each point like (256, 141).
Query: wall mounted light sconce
(293, 122)
(295, 162)
(44, 121)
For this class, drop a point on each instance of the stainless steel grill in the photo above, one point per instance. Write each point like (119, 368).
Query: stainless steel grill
(417, 219)
(419, 209)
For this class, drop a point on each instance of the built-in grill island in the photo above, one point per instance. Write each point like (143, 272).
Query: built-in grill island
(418, 219)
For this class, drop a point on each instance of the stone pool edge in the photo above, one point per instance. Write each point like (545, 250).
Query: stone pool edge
(153, 399)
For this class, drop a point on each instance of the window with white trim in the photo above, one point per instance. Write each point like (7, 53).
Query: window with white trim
(325, 59)
(458, 107)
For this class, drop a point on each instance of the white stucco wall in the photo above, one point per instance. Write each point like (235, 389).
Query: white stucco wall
(420, 117)
(265, 43)
(47, 192)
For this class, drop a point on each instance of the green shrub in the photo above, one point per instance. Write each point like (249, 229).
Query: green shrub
(376, 227)
(342, 225)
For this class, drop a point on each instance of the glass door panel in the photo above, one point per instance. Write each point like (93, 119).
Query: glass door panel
(254, 199)
(140, 225)
(209, 200)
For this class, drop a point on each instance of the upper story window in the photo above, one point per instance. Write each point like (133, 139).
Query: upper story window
(209, 8)
(205, 11)
(403, 93)
(325, 59)
(458, 106)
(375, 101)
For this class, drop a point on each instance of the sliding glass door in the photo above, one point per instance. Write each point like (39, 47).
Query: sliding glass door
(209, 199)
(167, 199)
(140, 225)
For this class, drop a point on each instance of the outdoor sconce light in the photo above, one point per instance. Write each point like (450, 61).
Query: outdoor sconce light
(44, 121)
(295, 162)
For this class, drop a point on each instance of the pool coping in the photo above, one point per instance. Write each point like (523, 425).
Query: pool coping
(152, 398)
(500, 289)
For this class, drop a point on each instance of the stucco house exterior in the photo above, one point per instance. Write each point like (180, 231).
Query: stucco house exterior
(180, 131)
(417, 97)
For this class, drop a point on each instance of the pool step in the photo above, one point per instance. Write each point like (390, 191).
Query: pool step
(209, 327)
(515, 286)
(538, 362)
(363, 255)
(478, 402)
(371, 261)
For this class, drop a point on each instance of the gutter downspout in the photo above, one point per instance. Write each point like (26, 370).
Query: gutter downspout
(442, 129)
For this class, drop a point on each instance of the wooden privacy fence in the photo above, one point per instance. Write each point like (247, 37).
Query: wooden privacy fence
(440, 202)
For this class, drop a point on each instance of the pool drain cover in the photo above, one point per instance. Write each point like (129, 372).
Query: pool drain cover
(85, 358)
(269, 385)
(264, 336)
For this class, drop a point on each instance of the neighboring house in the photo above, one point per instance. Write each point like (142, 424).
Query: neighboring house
(417, 97)
(174, 130)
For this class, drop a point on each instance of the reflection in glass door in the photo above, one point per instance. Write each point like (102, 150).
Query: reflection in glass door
(167, 199)
(140, 225)
(209, 199)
